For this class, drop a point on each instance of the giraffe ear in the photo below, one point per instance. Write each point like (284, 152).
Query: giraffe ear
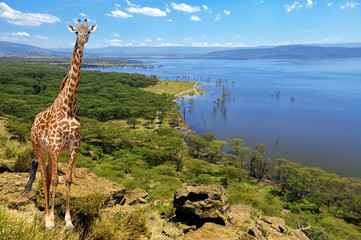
(71, 28)
(93, 28)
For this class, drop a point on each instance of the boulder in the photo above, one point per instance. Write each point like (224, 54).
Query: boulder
(198, 204)
(252, 223)
(135, 196)
(212, 231)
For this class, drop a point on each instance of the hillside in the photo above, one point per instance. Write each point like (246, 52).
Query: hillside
(279, 52)
(21, 50)
(287, 52)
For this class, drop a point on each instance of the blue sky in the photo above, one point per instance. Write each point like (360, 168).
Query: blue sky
(232, 23)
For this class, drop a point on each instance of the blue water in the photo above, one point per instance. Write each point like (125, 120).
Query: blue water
(320, 127)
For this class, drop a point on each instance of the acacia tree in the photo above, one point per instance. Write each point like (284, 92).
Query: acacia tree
(133, 121)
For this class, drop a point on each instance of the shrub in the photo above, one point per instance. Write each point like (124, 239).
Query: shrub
(23, 158)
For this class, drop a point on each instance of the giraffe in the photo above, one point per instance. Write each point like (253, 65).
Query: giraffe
(57, 129)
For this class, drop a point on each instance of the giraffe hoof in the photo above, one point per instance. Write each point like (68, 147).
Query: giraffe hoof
(69, 226)
(49, 228)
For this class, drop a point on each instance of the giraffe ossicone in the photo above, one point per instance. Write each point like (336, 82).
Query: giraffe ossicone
(57, 129)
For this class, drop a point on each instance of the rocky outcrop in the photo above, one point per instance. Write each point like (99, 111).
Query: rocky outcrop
(198, 204)
(84, 183)
(207, 207)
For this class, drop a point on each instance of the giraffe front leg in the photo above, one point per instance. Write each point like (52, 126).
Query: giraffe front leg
(68, 178)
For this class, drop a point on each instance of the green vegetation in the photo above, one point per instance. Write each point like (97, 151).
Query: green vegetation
(120, 141)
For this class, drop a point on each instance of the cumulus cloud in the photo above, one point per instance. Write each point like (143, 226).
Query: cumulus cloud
(204, 7)
(309, 3)
(185, 8)
(115, 35)
(119, 14)
(159, 39)
(83, 14)
(195, 18)
(169, 45)
(25, 19)
(295, 5)
(218, 17)
(153, 12)
(226, 12)
(21, 34)
(350, 4)
(147, 40)
(329, 4)
(118, 43)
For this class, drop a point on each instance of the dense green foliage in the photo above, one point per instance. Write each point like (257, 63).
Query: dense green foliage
(27, 89)
(120, 142)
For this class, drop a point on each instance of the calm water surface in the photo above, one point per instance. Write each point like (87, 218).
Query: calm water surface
(320, 127)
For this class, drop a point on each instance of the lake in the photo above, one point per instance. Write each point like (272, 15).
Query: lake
(307, 111)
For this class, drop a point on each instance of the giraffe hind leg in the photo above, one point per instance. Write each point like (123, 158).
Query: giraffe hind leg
(72, 154)
(41, 159)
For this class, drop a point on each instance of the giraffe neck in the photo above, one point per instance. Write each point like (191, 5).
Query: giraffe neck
(69, 87)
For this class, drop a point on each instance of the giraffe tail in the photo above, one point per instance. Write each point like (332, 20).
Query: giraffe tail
(32, 173)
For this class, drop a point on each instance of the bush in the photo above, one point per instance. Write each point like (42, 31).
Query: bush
(23, 158)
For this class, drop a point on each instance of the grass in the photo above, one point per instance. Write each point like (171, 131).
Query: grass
(13, 225)
(3, 131)
(170, 87)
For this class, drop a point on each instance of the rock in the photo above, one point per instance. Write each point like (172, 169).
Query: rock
(252, 223)
(212, 231)
(172, 232)
(135, 196)
(198, 204)
(85, 183)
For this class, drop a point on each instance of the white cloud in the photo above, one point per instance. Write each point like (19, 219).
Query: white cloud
(195, 18)
(41, 37)
(227, 12)
(147, 40)
(117, 5)
(119, 14)
(204, 7)
(309, 3)
(218, 17)
(261, 1)
(188, 39)
(25, 19)
(185, 8)
(170, 20)
(153, 12)
(21, 34)
(169, 45)
(130, 4)
(329, 4)
(115, 35)
(83, 14)
(295, 5)
(349, 4)
(118, 43)
(159, 39)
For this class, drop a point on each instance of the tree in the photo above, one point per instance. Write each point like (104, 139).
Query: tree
(133, 121)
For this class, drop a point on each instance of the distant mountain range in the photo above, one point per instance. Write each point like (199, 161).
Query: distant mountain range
(279, 52)
(20, 50)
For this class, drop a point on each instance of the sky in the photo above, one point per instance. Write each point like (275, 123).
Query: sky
(201, 23)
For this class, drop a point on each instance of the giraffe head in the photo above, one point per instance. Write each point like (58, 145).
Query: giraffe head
(82, 31)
